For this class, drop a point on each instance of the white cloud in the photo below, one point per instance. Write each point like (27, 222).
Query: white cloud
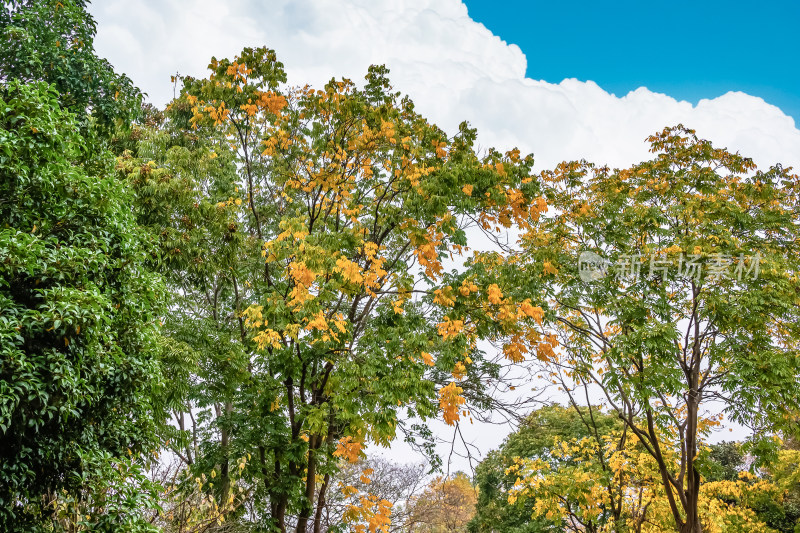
(452, 67)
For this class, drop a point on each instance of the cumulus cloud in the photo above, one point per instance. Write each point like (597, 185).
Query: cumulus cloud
(453, 68)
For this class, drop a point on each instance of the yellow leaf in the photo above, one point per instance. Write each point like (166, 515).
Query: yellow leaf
(426, 358)
(495, 294)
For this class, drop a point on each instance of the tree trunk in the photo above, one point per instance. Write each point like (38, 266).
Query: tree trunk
(225, 478)
(321, 504)
(311, 479)
(692, 492)
(692, 526)
(277, 501)
(280, 513)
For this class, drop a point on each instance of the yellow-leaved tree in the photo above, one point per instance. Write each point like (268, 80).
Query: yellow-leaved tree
(670, 290)
(446, 505)
(305, 233)
(612, 484)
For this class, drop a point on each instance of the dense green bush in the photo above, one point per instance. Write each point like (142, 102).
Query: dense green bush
(77, 316)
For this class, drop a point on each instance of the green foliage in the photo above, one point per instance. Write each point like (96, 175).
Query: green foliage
(303, 232)
(726, 460)
(51, 41)
(661, 344)
(77, 313)
(534, 439)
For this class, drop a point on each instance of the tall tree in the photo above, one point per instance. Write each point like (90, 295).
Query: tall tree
(672, 287)
(52, 41)
(304, 232)
(77, 317)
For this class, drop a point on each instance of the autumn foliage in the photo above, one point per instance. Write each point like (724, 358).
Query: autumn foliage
(245, 291)
(333, 213)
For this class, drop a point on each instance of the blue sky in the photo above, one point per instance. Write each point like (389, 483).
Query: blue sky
(688, 50)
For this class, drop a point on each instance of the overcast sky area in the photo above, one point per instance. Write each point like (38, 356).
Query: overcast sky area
(456, 69)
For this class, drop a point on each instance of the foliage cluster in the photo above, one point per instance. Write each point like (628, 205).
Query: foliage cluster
(268, 279)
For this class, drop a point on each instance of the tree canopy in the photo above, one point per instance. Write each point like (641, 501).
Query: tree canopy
(672, 287)
(537, 437)
(325, 310)
(52, 41)
(79, 311)
(580, 469)
(208, 312)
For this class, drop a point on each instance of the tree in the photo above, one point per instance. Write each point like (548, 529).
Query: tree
(537, 438)
(52, 41)
(672, 286)
(592, 484)
(564, 470)
(446, 505)
(76, 328)
(778, 508)
(783, 514)
(613, 485)
(303, 233)
(374, 476)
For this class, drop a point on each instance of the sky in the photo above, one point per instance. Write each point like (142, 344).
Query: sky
(456, 68)
(563, 81)
(687, 49)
